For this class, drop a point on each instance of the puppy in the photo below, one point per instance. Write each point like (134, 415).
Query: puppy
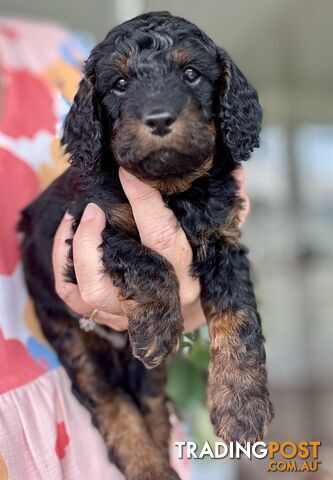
(161, 100)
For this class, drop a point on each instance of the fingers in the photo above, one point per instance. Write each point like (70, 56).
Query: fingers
(87, 295)
(156, 223)
(68, 292)
(95, 286)
(116, 322)
(159, 230)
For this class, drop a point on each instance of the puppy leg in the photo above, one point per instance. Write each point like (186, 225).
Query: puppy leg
(238, 397)
(88, 361)
(149, 296)
(130, 444)
(153, 403)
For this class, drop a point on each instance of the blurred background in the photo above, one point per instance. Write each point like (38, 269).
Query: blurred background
(285, 49)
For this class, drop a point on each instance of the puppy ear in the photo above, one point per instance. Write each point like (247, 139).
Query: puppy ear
(83, 130)
(240, 112)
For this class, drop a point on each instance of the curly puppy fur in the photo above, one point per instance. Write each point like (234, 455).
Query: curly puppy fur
(160, 99)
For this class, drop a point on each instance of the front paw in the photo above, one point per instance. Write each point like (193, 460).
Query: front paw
(155, 331)
(239, 417)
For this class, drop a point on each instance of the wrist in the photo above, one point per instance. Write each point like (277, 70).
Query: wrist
(193, 315)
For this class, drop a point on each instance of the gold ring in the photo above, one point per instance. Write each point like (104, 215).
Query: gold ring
(93, 315)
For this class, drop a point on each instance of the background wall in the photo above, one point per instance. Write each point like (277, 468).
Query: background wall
(284, 48)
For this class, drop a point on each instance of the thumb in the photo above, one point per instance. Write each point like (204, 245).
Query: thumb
(156, 223)
(95, 287)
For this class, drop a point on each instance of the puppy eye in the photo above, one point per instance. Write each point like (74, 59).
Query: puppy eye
(120, 85)
(191, 75)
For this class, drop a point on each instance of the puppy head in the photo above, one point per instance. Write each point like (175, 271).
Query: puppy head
(158, 97)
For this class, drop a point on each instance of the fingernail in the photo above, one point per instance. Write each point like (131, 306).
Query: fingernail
(90, 212)
(68, 216)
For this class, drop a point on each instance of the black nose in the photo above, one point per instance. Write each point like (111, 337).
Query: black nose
(159, 123)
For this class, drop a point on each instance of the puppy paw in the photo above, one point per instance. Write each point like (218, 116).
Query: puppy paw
(240, 418)
(155, 331)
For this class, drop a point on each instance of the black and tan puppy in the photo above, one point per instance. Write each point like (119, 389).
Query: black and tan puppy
(161, 100)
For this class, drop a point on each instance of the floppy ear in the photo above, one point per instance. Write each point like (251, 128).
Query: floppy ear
(240, 113)
(83, 130)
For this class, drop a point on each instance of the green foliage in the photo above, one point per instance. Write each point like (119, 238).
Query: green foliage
(186, 386)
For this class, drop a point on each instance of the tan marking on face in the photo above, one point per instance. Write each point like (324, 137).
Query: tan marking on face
(123, 63)
(176, 140)
(175, 184)
(181, 56)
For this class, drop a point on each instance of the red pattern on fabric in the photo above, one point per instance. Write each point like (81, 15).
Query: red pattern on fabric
(9, 32)
(18, 366)
(18, 186)
(28, 105)
(62, 440)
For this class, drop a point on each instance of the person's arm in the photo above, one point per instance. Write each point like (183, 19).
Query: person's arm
(158, 229)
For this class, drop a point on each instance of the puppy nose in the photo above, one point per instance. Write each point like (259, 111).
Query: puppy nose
(159, 123)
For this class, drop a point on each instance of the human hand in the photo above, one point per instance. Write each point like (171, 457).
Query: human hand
(158, 229)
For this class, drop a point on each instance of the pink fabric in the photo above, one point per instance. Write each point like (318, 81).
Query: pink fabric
(47, 435)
